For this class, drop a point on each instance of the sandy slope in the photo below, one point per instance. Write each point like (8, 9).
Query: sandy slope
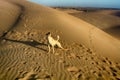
(107, 20)
(8, 15)
(92, 53)
(108, 23)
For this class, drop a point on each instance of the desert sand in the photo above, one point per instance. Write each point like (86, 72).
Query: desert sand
(106, 20)
(92, 53)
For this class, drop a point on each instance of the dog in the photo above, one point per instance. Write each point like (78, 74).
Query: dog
(52, 42)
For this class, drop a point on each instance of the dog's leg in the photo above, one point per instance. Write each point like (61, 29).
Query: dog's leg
(53, 49)
(49, 48)
(59, 45)
(62, 47)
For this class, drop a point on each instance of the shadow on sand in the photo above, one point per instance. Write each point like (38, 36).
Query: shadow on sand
(114, 30)
(32, 43)
(117, 14)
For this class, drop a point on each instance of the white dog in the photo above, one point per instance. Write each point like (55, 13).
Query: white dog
(52, 42)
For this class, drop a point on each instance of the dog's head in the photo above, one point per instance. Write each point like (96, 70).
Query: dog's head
(48, 33)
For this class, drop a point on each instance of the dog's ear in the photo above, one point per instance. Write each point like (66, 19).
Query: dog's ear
(48, 33)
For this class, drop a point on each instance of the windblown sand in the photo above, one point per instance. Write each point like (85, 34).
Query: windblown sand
(92, 54)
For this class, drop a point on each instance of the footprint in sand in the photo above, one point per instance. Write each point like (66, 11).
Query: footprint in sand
(89, 50)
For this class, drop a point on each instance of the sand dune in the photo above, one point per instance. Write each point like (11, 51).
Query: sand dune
(108, 23)
(93, 54)
(107, 20)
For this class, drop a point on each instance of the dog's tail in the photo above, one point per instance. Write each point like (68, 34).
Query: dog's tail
(58, 37)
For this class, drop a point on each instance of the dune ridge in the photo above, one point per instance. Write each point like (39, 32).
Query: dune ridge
(23, 48)
(106, 20)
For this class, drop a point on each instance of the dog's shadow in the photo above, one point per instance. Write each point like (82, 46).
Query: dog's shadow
(32, 43)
